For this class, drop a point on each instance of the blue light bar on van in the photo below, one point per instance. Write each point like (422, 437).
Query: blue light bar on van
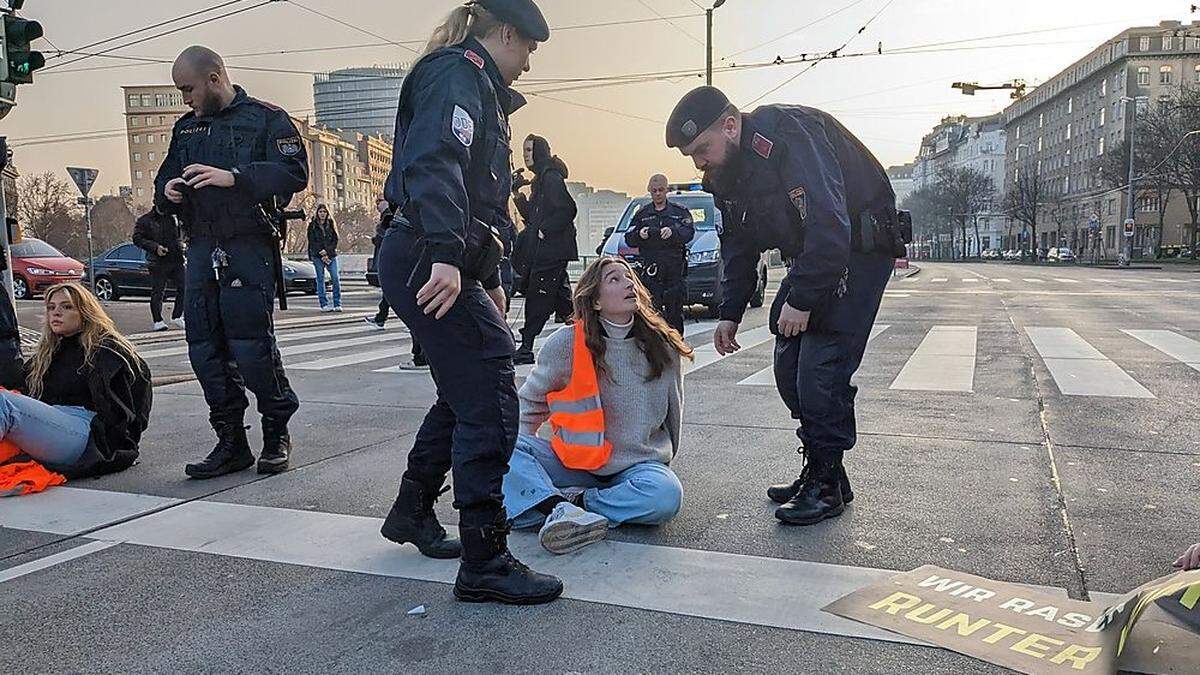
(687, 187)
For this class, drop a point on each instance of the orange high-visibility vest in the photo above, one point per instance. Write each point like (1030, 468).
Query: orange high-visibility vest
(576, 417)
(23, 478)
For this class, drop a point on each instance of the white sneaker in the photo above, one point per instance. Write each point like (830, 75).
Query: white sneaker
(180, 322)
(337, 308)
(326, 308)
(569, 528)
(160, 326)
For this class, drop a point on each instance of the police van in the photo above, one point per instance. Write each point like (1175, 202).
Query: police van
(704, 252)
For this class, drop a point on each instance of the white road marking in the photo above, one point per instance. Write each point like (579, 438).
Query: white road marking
(970, 280)
(766, 376)
(1063, 280)
(282, 337)
(70, 511)
(1034, 280)
(1002, 280)
(944, 361)
(707, 355)
(1079, 369)
(938, 280)
(56, 559)
(1178, 347)
(350, 359)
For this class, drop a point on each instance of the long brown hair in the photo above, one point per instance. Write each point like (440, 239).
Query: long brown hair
(463, 21)
(654, 335)
(98, 329)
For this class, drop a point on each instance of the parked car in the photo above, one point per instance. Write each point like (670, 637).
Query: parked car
(123, 271)
(704, 252)
(1060, 255)
(37, 266)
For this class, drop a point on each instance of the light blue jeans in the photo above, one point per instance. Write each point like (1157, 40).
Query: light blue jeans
(56, 434)
(647, 494)
(333, 275)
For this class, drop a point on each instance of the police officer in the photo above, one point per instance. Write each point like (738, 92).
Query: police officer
(792, 178)
(438, 264)
(230, 156)
(661, 231)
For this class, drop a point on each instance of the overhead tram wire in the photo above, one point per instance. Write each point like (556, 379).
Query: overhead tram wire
(792, 32)
(146, 28)
(679, 28)
(351, 26)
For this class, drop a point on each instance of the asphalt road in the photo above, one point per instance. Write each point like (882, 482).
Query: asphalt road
(1029, 424)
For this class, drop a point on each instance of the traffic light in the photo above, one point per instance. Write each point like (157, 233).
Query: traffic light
(19, 57)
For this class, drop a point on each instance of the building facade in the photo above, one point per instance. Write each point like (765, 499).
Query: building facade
(598, 210)
(150, 115)
(361, 100)
(1062, 131)
(901, 177)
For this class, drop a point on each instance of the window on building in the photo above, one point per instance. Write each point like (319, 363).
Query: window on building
(1144, 44)
(1143, 76)
(1112, 206)
(1068, 131)
(1104, 87)
(1168, 43)
(150, 139)
(1071, 105)
(162, 119)
(147, 100)
(1198, 72)
(141, 192)
(1103, 115)
(1039, 145)
(162, 137)
(160, 100)
(1041, 120)
(153, 174)
(1193, 43)
(1019, 126)
(133, 121)
(137, 140)
(137, 156)
(1165, 75)
(1100, 147)
(134, 101)
(151, 157)
(138, 174)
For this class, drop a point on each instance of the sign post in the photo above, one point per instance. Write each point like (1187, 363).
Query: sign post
(84, 180)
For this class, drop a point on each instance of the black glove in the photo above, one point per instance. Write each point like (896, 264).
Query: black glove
(519, 180)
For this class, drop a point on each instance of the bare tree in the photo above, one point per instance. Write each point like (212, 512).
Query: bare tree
(1025, 199)
(355, 227)
(46, 209)
(929, 215)
(965, 193)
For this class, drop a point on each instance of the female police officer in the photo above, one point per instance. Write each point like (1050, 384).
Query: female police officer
(438, 265)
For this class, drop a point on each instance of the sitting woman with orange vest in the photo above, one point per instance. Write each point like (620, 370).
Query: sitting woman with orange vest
(86, 393)
(611, 387)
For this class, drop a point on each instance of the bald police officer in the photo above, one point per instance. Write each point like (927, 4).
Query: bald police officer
(661, 232)
(792, 178)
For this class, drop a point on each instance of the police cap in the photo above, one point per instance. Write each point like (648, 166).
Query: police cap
(694, 113)
(523, 15)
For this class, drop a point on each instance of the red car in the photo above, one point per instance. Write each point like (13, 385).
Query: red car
(37, 266)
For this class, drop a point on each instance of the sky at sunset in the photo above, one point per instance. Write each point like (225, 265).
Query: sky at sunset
(611, 136)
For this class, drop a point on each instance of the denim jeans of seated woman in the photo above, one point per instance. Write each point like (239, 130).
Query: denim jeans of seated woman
(648, 493)
(55, 434)
(333, 268)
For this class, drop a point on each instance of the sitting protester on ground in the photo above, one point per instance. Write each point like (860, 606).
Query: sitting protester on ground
(1190, 560)
(86, 393)
(612, 389)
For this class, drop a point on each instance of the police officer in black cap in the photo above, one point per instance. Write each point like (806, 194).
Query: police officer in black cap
(228, 158)
(792, 178)
(661, 232)
(438, 265)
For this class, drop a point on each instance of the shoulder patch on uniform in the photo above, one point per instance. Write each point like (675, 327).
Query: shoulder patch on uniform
(800, 201)
(463, 126)
(474, 58)
(762, 145)
(290, 146)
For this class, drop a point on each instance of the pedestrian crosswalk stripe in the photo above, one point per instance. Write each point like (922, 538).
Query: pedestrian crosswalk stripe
(1065, 281)
(1135, 281)
(1079, 369)
(283, 337)
(970, 280)
(944, 361)
(707, 355)
(350, 359)
(1178, 347)
(1100, 280)
(1034, 280)
(329, 345)
(766, 376)
(938, 280)
(1002, 280)
(911, 277)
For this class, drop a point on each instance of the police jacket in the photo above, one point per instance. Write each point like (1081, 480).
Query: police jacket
(255, 140)
(322, 237)
(155, 229)
(804, 180)
(673, 216)
(550, 210)
(452, 160)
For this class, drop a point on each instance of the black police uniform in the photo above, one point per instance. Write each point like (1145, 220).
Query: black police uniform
(664, 261)
(806, 186)
(451, 179)
(230, 329)
(154, 229)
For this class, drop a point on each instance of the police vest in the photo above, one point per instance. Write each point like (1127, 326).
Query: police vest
(576, 416)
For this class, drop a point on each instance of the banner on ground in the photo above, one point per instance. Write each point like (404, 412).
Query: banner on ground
(1152, 629)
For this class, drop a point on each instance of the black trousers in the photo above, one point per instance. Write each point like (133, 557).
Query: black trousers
(231, 332)
(548, 292)
(381, 319)
(160, 274)
(666, 279)
(472, 427)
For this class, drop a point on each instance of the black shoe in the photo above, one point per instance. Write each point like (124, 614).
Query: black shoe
(231, 454)
(523, 357)
(420, 361)
(783, 492)
(490, 573)
(277, 448)
(819, 496)
(412, 521)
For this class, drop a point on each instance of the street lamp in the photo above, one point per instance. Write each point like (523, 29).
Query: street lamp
(1130, 222)
(708, 18)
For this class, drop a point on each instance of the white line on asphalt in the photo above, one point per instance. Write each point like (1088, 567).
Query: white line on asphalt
(707, 355)
(938, 280)
(911, 277)
(1034, 280)
(944, 361)
(282, 337)
(1101, 280)
(970, 280)
(1003, 281)
(374, 338)
(350, 359)
(56, 559)
(766, 376)
(68, 510)
(1079, 369)
(1176, 346)
(1063, 280)
(1135, 281)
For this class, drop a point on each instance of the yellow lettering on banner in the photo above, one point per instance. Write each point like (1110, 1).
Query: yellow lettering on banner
(962, 623)
(916, 614)
(1149, 597)
(1017, 604)
(1192, 596)
(1078, 655)
(1033, 641)
(897, 602)
(1002, 631)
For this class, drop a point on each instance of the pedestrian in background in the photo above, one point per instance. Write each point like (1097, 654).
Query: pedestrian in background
(322, 251)
(661, 232)
(159, 236)
(378, 321)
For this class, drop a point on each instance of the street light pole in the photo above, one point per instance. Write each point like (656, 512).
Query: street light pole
(708, 44)
(1127, 247)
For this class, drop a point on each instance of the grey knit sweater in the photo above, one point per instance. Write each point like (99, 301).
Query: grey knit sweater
(643, 420)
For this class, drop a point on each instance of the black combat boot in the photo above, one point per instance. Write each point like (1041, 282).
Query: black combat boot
(524, 355)
(232, 453)
(412, 521)
(820, 494)
(490, 573)
(277, 447)
(783, 492)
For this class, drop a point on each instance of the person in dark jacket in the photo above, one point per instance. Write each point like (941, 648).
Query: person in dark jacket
(379, 319)
(159, 236)
(661, 232)
(322, 251)
(546, 245)
(87, 394)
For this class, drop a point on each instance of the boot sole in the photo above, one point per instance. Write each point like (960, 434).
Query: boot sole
(220, 471)
(272, 468)
(847, 497)
(566, 536)
(436, 555)
(792, 520)
(487, 595)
